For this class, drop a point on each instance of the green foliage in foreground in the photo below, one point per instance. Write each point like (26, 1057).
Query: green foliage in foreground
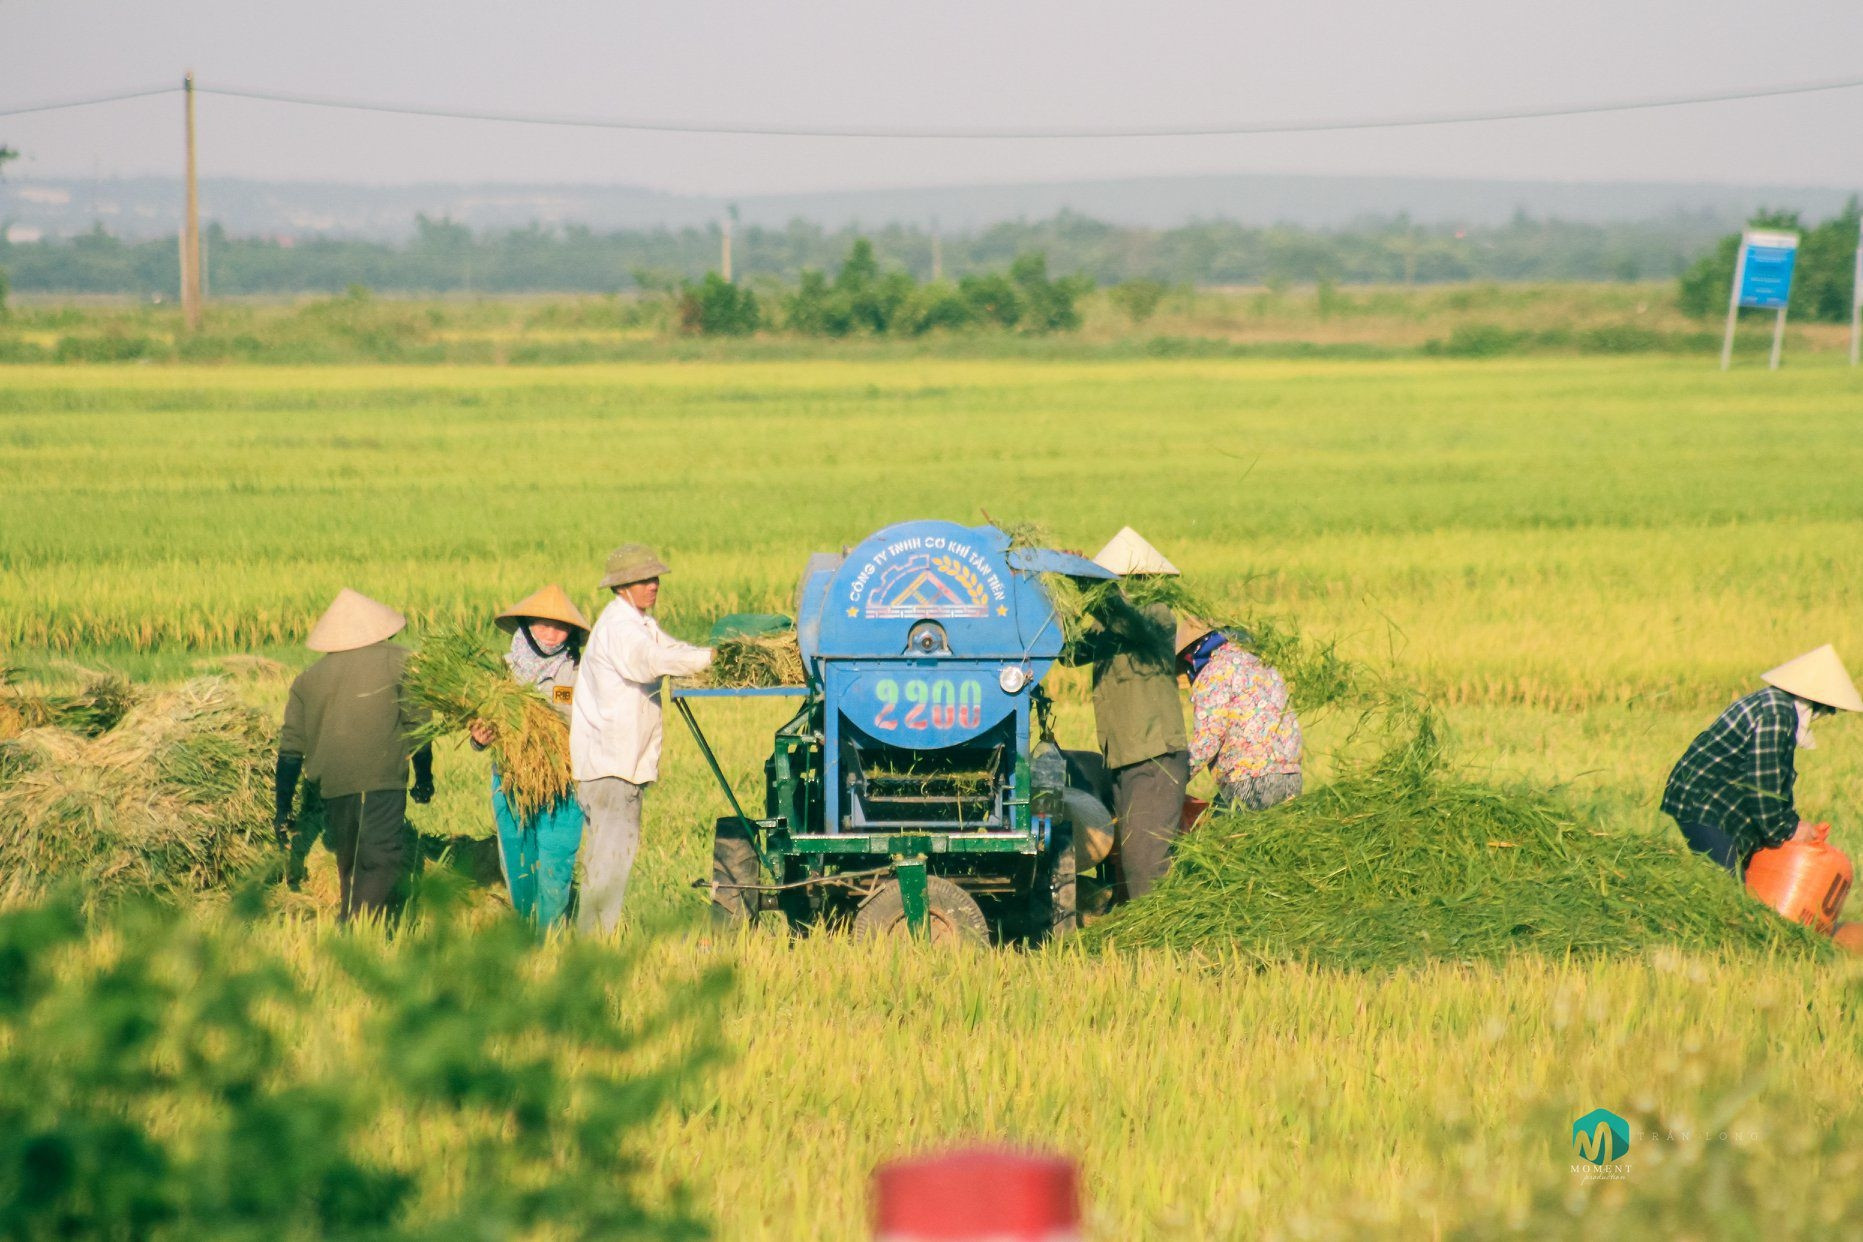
(1403, 862)
(167, 1080)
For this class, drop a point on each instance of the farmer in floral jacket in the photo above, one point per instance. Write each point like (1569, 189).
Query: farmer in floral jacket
(1245, 729)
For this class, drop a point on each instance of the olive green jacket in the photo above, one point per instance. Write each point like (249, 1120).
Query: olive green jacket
(1135, 700)
(348, 718)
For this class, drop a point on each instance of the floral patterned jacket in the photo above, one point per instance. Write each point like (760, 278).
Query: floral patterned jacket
(1244, 725)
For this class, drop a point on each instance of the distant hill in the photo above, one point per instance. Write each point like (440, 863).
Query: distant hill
(151, 206)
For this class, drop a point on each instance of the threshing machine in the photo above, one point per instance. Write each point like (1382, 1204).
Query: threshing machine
(902, 796)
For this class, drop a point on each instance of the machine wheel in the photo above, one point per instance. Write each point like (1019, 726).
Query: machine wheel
(734, 861)
(954, 915)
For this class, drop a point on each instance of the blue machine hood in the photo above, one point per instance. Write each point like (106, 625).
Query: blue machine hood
(986, 597)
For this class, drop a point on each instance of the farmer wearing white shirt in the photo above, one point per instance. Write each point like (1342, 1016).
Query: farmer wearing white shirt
(614, 726)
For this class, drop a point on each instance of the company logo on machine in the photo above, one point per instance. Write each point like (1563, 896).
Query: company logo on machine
(928, 577)
(1601, 1140)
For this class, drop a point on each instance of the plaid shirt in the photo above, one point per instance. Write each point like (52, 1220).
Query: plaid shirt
(1737, 774)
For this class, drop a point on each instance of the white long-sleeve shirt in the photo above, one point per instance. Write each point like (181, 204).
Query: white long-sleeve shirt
(614, 725)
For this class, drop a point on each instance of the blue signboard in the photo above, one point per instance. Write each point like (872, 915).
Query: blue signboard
(1766, 261)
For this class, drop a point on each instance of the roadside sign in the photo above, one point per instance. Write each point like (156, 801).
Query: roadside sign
(1762, 279)
(1766, 264)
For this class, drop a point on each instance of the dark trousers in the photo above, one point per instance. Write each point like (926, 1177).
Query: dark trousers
(374, 848)
(1148, 809)
(1710, 840)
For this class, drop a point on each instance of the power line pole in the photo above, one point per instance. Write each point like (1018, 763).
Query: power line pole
(191, 226)
(725, 257)
(937, 252)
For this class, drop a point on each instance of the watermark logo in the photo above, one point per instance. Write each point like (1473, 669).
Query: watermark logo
(1601, 1140)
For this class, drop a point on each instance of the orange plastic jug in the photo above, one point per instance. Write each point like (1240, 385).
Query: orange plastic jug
(1806, 881)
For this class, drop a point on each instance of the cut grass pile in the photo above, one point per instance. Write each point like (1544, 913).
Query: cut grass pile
(171, 801)
(1402, 861)
(455, 679)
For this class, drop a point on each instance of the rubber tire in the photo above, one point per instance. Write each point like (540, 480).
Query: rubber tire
(954, 915)
(734, 861)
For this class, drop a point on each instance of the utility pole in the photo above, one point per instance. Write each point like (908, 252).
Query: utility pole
(937, 252)
(191, 226)
(725, 258)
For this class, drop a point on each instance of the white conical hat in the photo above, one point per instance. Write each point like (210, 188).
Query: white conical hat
(354, 620)
(1128, 553)
(1819, 677)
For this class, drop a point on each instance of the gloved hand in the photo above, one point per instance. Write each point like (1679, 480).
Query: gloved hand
(422, 793)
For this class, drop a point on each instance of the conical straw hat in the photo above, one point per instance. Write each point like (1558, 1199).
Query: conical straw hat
(1189, 630)
(550, 604)
(1819, 677)
(354, 620)
(1128, 553)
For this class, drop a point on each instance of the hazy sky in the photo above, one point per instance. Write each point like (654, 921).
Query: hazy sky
(1005, 63)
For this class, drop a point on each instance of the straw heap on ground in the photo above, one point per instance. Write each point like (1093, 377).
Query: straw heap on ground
(1401, 861)
(173, 801)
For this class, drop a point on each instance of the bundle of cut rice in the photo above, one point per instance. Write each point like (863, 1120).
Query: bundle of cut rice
(755, 660)
(455, 679)
(95, 708)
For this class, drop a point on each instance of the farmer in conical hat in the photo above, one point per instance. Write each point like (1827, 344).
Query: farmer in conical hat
(1731, 792)
(346, 728)
(1137, 712)
(1243, 727)
(538, 851)
(614, 725)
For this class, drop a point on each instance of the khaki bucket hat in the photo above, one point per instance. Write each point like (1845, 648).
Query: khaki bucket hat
(1189, 630)
(1129, 553)
(550, 604)
(1819, 677)
(354, 620)
(633, 562)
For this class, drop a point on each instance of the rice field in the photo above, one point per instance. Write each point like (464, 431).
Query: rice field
(1580, 560)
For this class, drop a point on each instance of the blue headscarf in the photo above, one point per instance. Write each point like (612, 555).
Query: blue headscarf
(1200, 651)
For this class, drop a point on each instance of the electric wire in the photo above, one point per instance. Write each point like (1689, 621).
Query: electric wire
(737, 129)
(62, 104)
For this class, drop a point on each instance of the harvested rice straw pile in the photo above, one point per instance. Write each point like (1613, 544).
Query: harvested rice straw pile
(1401, 861)
(173, 801)
(455, 679)
(96, 708)
(762, 660)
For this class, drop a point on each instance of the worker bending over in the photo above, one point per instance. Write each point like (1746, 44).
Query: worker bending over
(1731, 792)
(1243, 727)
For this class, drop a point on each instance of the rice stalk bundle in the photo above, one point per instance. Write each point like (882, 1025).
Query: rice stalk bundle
(455, 679)
(96, 708)
(173, 801)
(756, 660)
(1401, 862)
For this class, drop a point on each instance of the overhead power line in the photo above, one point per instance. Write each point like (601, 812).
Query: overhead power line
(745, 129)
(62, 104)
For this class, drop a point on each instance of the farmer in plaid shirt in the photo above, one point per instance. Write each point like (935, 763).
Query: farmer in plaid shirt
(1731, 793)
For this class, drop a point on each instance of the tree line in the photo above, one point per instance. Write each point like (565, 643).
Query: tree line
(443, 256)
